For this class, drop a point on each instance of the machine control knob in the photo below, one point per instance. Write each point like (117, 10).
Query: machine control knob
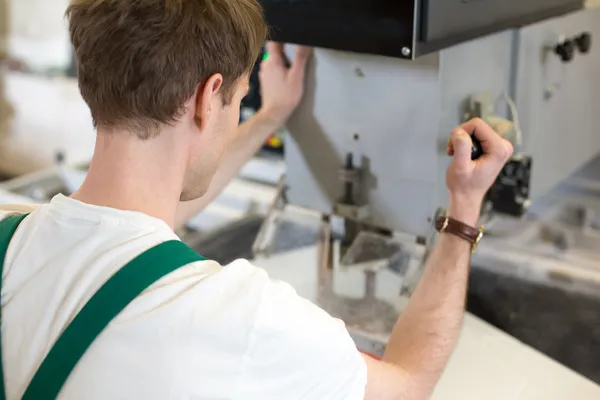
(565, 50)
(584, 42)
(476, 150)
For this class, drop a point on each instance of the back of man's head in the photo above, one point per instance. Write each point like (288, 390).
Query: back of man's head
(139, 61)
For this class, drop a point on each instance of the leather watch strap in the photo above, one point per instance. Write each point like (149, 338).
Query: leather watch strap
(460, 229)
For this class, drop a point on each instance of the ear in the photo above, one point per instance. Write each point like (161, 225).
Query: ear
(207, 98)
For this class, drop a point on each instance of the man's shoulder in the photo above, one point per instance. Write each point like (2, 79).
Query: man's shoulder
(218, 297)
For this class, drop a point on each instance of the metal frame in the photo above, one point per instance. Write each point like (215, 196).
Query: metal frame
(424, 47)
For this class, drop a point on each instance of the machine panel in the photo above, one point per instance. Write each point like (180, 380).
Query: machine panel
(402, 29)
(380, 110)
(443, 19)
(559, 96)
(377, 26)
(394, 116)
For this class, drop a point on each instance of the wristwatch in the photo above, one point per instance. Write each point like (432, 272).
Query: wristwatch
(460, 229)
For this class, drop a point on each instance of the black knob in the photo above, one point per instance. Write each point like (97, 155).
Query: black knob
(584, 42)
(565, 50)
(476, 150)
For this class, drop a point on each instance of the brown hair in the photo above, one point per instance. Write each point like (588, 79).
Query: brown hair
(139, 61)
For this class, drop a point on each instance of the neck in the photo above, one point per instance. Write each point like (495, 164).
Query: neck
(129, 174)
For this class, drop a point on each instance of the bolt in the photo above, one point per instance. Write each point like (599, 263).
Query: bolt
(349, 188)
(349, 161)
(358, 72)
(406, 51)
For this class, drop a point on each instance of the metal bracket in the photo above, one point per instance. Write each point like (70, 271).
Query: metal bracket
(349, 175)
(351, 211)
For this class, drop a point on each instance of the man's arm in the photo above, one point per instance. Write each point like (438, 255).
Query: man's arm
(281, 88)
(428, 329)
(427, 332)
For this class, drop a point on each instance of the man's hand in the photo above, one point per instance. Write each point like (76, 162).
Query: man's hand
(281, 86)
(469, 180)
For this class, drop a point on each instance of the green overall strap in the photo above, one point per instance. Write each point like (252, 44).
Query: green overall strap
(120, 290)
(8, 227)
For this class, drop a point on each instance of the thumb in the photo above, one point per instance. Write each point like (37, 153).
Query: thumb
(461, 144)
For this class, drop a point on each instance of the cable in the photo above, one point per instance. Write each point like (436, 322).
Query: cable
(515, 117)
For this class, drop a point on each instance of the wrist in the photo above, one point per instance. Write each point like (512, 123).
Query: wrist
(271, 118)
(464, 210)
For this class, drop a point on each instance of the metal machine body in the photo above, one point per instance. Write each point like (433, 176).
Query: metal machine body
(394, 117)
(558, 100)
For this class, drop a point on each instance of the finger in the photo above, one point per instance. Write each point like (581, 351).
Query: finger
(303, 54)
(480, 129)
(493, 145)
(461, 144)
(298, 68)
(488, 138)
(275, 51)
(508, 149)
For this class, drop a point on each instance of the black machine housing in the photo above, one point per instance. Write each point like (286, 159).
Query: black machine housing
(510, 193)
(401, 28)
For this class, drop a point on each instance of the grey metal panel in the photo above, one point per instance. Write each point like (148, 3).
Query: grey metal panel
(393, 105)
(483, 65)
(559, 103)
(403, 112)
(446, 18)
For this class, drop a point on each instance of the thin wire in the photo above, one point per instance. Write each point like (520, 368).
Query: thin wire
(515, 117)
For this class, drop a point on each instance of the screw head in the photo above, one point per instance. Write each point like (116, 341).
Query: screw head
(406, 51)
(358, 72)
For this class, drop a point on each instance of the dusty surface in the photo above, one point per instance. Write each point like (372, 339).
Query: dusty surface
(565, 326)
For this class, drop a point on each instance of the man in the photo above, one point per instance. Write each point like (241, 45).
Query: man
(164, 81)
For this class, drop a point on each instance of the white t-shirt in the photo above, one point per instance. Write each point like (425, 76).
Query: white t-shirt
(202, 332)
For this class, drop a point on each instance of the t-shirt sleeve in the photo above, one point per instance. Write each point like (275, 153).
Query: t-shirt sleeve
(298, 351)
